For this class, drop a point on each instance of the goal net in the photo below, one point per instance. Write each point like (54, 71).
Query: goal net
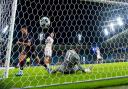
(7, 19)
(97, 29)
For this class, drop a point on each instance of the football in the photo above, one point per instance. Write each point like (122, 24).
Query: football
(45, 22)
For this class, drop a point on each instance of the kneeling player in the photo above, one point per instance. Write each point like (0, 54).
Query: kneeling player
(71, 64)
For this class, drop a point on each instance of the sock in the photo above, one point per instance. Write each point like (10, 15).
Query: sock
(43, 64)
(20, 72)
(47, 65)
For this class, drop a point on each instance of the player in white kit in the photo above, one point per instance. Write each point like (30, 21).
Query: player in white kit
(99, 58)
(48, 50)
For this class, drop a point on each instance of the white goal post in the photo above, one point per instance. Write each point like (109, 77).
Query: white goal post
(10, 29)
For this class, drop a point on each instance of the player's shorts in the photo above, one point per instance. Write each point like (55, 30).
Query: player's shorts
(30, 51)
(24, 49)
(48, 52)
(99, 58)
(22, 56)
(22, 63)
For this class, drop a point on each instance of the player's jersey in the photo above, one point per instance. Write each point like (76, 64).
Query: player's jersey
(71, 59)
(49, 42)
(26, 39)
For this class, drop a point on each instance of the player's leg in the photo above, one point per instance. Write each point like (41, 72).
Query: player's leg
(40, 60)
(71, 70)
(47, 59)
(61, 69)
(88, 69)
(65, 70)
(97, 61)
(80, 68)
(28, 61)
(54, 71)
(34, 55)
(43, 64)
(22, 57)
(102, 60)
(35, 58)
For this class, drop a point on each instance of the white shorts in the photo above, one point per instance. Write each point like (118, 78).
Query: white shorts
(99, 58)
(48, 52)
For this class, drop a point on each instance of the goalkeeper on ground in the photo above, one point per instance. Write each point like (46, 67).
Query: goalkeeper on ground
(71, 64)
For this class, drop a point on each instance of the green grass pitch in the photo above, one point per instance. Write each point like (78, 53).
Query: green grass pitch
(36, 76)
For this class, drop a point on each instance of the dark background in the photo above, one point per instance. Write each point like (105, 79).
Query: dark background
(68, 18)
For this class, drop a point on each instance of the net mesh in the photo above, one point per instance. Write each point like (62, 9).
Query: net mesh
(5, 19)
(96, 28)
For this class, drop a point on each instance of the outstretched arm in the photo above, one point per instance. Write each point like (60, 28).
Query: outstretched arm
(24, 43)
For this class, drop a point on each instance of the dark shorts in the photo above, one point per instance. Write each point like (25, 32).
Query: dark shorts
(100, 59)
(30, 51)
(22, 63)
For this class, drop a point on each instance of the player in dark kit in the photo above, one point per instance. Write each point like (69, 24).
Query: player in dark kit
(27, 49)
(71, 64)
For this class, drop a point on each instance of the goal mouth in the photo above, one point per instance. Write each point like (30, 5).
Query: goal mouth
(86, 32)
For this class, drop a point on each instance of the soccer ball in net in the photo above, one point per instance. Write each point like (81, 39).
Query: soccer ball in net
(45, 22)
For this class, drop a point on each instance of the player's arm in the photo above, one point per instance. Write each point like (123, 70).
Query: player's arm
(22, 43)
(19, 42)
(47, 40)
(27, 43)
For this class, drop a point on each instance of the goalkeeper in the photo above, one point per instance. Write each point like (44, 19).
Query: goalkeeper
(71, 64)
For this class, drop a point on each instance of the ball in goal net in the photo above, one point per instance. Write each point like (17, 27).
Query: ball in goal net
(83, 24)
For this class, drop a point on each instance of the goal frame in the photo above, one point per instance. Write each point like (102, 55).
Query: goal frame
(10, 38)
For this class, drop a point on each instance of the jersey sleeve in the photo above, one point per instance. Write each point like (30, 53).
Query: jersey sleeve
(77, 59)
(67, 56)
(48, 40)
